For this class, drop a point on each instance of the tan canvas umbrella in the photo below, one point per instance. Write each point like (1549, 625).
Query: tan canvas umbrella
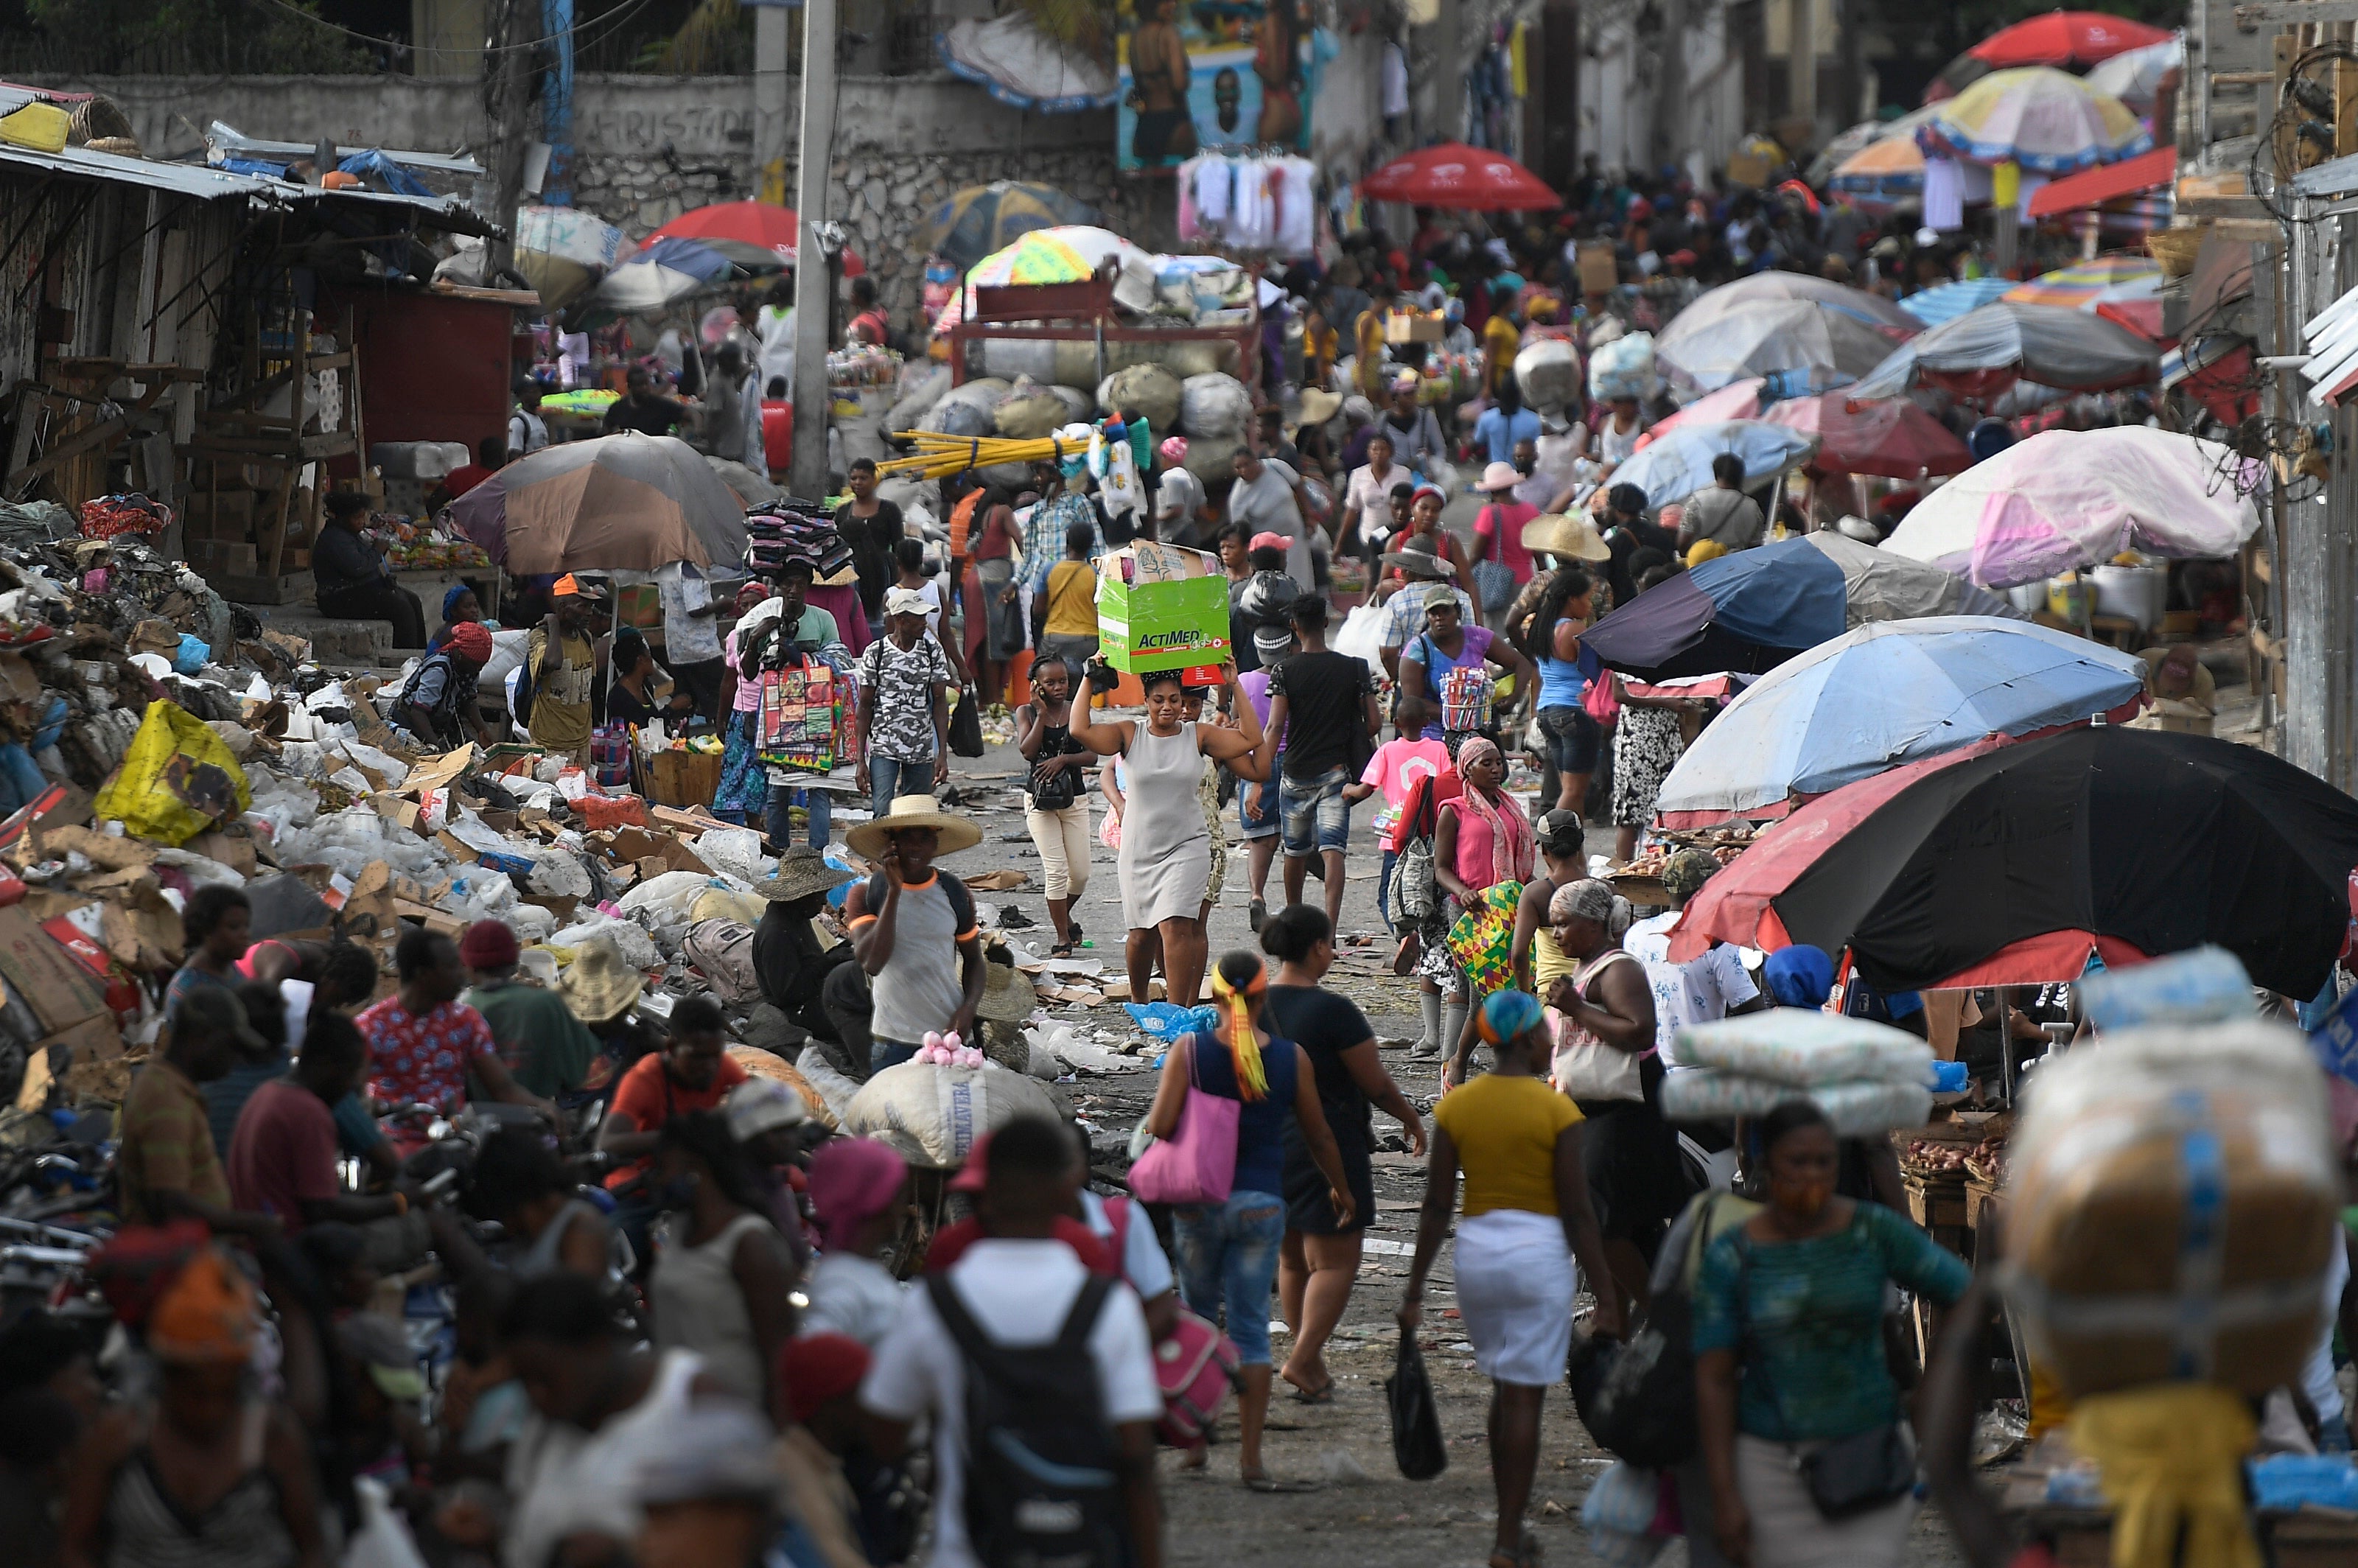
(625, 503)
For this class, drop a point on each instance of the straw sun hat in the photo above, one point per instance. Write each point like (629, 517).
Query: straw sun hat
(914, 811)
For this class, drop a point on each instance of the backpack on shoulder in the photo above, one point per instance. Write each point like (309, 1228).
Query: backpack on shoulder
(1041, 1489)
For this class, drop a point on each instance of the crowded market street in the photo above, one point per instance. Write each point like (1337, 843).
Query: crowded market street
(1248, 781)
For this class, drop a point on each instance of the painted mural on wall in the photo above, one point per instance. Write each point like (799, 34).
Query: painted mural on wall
(1209, 75)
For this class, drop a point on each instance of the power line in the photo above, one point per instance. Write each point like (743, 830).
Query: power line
(617, 18)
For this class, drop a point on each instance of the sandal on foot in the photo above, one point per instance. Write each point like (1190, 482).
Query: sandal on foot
(1265, 1482)
(1324, 1395)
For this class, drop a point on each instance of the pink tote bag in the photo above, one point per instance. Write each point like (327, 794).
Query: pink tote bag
(1198, 1164)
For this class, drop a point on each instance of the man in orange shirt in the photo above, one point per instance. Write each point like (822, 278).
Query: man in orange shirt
(691, 1072)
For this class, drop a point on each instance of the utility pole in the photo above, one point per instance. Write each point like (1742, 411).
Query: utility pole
(507, 69)
(771, 21)
(1802, 66)
(814, 279)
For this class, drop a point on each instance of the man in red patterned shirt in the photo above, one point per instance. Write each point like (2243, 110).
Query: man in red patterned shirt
(423, 1041)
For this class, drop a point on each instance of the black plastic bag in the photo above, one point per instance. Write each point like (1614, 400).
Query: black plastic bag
(965, 726)
(1417, 1446)
(1637, 1396)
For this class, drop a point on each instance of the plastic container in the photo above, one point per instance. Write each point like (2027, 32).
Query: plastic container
(40, 126)
(2133, 594)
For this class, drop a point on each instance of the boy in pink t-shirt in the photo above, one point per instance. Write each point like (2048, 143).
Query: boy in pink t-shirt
(1393, 770)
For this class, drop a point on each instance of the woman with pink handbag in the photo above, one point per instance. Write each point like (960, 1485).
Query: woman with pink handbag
(1221, 1110)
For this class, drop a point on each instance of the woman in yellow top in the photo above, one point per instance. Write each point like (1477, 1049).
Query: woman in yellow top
(1563, 842)
(1066, 613)
(1527, 1217)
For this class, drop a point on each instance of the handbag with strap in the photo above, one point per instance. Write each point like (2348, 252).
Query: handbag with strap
(1494, 580)
(1847, 1476)
(1196, 1365)
(1198, 1164)
(1585, 1067)
(1599, 699)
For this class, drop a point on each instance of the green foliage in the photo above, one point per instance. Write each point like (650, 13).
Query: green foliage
(717, 37)
(257, 37)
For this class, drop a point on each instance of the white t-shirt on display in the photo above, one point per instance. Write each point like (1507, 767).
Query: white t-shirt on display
(1697, 991)
(1018, 1293)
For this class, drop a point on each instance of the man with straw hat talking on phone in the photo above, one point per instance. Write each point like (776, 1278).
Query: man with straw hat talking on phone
(913, 928)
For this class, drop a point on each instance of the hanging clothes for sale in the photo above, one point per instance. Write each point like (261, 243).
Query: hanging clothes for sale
(1214, 183)
(1250, 203)
(1944, 195)
(1395, 82)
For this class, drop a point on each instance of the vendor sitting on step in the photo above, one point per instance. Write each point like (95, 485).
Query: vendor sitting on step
(913, 928)
(350, 580)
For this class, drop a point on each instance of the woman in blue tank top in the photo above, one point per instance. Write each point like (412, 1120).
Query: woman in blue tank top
(1228, 1253)
(1566, 668)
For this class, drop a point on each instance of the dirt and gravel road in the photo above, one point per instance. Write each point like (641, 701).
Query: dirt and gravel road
(1362, 1512)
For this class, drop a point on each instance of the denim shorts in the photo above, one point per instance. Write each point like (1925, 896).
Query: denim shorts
(1316, 815)
(1262, 823)
(1228, 1256)
(1572, 738)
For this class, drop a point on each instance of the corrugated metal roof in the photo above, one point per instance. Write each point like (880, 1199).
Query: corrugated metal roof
(207, 183)
(222, 138)
(181, 178)
(2335, 176)
(2332, 339)
(446, 211)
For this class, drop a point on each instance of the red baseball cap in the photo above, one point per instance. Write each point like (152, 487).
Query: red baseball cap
(977, 1169)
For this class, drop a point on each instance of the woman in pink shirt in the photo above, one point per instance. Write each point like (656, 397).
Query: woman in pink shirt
(1481, 839)
(1498, 542)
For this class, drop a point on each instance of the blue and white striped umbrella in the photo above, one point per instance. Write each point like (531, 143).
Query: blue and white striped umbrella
(1890, 693)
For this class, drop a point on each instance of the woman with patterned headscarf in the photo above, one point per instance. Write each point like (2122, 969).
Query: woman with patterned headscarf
(1607, 1062)
(1527, 1218)
(1228, 1252)
(210, 1473)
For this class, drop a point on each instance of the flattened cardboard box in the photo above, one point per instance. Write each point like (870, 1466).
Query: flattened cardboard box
(60, 992)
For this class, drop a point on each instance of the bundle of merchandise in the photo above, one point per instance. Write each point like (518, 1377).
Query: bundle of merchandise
(411, 545)
(112, 514)
(1623, 368)
(858, 366)
(2172, 1197)
(1867, 1077)
(786, 530)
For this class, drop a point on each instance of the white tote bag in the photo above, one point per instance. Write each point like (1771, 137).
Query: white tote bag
(1585, 1066)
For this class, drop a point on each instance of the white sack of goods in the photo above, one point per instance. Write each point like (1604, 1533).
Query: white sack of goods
(966, 410)
(1549, 372)
(931, 1115)
(1214, 405)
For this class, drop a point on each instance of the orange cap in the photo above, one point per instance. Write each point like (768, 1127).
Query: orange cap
(205, 1316)
(570, 585)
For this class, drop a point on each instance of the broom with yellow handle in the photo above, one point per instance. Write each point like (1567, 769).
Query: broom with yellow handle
(938, 456)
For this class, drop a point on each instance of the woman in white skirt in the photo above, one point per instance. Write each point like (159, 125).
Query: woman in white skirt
(1166, 845)
(1788, 1362)
(1527, 1218)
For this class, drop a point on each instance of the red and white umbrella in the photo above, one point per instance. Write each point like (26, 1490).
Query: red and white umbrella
(1456, 176)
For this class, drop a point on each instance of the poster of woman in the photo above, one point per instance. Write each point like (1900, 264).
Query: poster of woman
(1197, 75)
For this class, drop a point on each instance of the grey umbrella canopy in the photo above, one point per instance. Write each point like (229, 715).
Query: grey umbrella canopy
(628, 502)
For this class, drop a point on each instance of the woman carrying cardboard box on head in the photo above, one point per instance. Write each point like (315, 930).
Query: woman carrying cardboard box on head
(1166, 845)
